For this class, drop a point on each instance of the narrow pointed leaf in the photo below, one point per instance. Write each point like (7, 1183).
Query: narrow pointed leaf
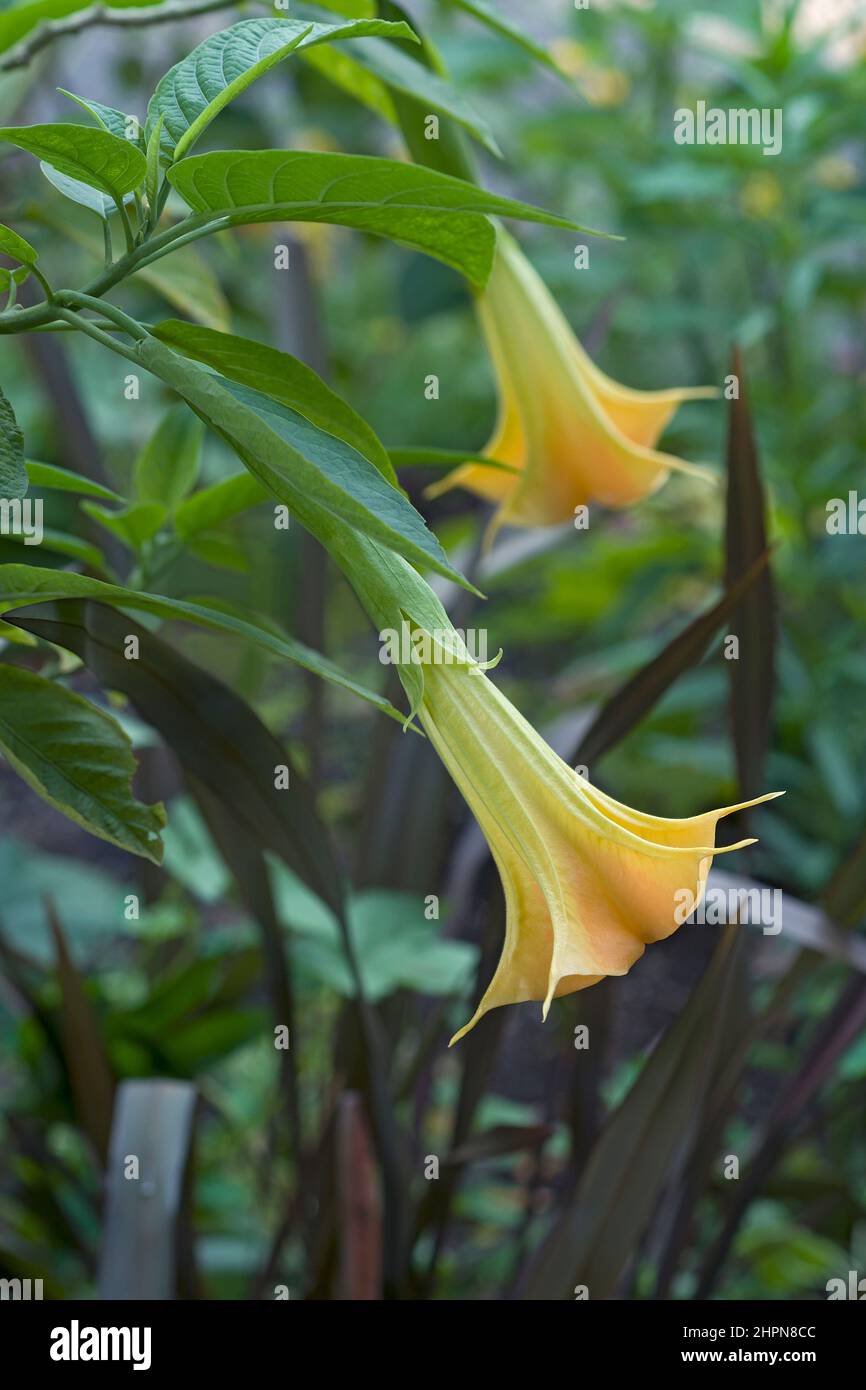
(753, 621)
(637, 697)
(635, 1152)
(90, 1077)
(51, 475)
(21, 585)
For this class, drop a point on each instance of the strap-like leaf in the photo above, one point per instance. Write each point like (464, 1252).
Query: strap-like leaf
(21, 585)
(64, 480)
(77, 758)
(195, 90)
(752, 675)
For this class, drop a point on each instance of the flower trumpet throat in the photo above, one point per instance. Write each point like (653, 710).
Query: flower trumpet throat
(588, 882)
(572, 434)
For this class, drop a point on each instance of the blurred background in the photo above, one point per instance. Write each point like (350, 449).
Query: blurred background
(460, 1162)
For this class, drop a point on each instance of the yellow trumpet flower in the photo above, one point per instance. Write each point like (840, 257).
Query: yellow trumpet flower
(570, 434)
(588, 882)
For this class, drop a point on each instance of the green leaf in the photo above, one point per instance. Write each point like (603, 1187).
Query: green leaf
(13, 277)
(352, 9)
(109, 118)
(444, 216)
(134, 525)
(14, 246)
(167, 467)
(25, 584)
(217, 503)
(282, 377)
(416, 456)
(152, 177)
(87, 1066)
(486, 14)
(219, 740)
(345, 72)
(326, 483)
(194, 92)
(13, 472)
(220, 550)
(64, 480)
(403, 74)
(94, 157)
(642, 691)
(64, 543)
(82, 193)
(78, 759)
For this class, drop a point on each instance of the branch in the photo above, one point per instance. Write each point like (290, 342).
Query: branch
(100, 14)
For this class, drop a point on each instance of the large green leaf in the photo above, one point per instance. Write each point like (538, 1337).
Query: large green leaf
(280, 376)
(13, 471)
(25, 584)
(77, 758)
(93, 156)
(193, 93)
(441, 215)
(329, 485)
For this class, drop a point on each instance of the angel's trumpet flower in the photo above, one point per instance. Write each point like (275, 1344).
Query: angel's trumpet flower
(588, 882)
(570, 434)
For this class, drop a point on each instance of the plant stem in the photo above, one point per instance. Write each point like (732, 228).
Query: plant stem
(77, 299)
(86, 326)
